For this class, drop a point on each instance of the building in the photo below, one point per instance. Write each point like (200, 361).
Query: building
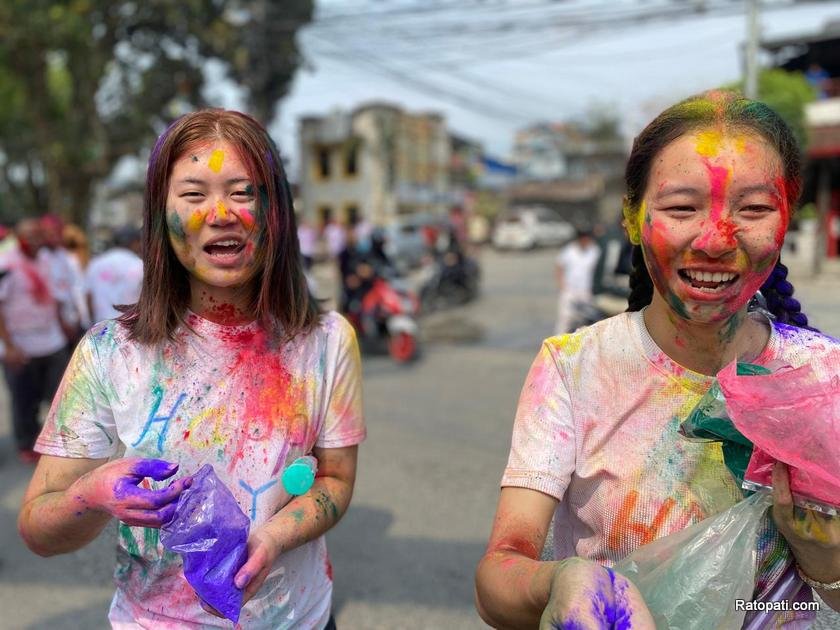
(817, 55)
(576, 171)
(375, 163)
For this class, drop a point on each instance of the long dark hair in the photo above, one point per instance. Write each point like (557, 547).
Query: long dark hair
(731, 111)
(280, 300)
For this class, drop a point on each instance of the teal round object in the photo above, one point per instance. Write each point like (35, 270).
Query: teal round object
(298, 477)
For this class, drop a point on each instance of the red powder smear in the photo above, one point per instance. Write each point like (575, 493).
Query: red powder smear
(225, 314)
(246, 217)
(273, 397)
(519, 545)
(328, 567)
(719, 181)
(186, 435)
(782, 186)
(40, 290)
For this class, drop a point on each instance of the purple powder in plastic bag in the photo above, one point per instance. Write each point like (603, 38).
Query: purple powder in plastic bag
(210, 532)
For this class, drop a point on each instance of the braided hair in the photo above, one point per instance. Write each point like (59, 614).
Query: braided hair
(729, 110)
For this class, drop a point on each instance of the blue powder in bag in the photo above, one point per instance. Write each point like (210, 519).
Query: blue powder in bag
(210, 532)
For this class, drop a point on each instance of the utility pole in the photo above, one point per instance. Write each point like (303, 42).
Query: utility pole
(751, 52)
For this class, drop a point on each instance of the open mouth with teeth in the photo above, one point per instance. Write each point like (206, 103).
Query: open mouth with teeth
(709, 281)
(228, 247)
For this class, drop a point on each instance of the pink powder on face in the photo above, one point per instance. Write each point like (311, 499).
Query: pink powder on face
(246, 217)
(718, 227)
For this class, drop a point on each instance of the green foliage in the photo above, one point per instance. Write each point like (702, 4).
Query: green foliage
(86, 82)
(787, 93)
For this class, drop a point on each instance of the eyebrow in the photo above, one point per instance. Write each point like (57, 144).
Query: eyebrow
(228, 182)
(677, 190)
(758, 188)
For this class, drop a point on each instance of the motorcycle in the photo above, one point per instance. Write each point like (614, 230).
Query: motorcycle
(386, 317)
(451, 280)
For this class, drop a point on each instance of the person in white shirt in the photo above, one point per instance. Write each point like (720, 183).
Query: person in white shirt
(33, 334)
(574, 271)
(65, 275)
(114, 277)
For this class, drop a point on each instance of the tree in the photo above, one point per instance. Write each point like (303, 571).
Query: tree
(84, 83)
(787, 93)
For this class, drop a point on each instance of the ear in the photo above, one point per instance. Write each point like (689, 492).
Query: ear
(631, 220)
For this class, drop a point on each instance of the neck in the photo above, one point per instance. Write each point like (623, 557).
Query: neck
(221, 305)
(705, 347)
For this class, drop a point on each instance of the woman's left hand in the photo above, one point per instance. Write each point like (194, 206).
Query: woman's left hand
(813, 537)
(262, 552)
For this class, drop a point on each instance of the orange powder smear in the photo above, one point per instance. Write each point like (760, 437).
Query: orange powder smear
(217, 158)
(195, 221)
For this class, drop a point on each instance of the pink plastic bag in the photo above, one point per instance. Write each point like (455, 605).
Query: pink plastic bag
(791, 416)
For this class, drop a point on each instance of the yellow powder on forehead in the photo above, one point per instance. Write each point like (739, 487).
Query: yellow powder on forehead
(708, 142)
(217, 158)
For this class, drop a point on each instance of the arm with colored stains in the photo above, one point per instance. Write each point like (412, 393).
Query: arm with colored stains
(515, 589)
(304, 518)
(813, 537)
(70, 500)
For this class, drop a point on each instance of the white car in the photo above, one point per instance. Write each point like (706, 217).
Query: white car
(529, 228)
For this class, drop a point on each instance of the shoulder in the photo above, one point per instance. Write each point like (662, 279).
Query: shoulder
(593, 343)
(108, 337)
(801, 345)
(335, 326)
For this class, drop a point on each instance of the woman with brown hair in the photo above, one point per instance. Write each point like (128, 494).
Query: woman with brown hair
(224, 360)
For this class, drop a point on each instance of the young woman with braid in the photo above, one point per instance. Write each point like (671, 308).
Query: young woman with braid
(710, 184)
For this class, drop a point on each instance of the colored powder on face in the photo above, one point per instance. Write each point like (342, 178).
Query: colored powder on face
(708, 142)
(246, 217)
(718, 226)
(221, 211)
(195, 221)
(217, 158)
(176, 227)
(263, 207)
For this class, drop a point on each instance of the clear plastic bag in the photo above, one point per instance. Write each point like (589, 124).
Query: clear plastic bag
(210, 531)
(791, 416)
(691, 579)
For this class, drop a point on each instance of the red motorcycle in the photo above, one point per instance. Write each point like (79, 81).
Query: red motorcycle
(387, 315)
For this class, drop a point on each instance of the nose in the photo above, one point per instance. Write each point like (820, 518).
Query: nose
(221, 215)
(716, 237)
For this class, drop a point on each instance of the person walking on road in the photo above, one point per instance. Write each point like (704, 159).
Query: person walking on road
(224, 360)
(574, 272)
(114, 277)
(711, 183)
(33, 333)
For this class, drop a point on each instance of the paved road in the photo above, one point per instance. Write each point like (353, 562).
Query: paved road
(438, 437)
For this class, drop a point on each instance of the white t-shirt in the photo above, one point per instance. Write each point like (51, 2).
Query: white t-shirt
(67, 281)
(578, 266)
(113, 277)
(28, 306)
(230, 398)
(596, 428)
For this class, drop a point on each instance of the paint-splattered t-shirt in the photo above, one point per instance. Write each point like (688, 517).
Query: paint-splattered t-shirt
(596, 428)
(227, 396)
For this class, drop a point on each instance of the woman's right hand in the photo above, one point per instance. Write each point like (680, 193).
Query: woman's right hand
(588, 596)
(114, 488)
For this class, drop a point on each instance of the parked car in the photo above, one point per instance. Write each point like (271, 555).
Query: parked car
(526, 228)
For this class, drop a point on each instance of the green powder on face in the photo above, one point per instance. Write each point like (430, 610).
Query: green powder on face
(176, 227)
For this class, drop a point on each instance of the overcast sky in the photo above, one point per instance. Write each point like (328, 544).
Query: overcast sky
(495, 67)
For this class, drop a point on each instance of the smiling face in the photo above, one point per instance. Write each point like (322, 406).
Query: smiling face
(712, 222)
(210, 214)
